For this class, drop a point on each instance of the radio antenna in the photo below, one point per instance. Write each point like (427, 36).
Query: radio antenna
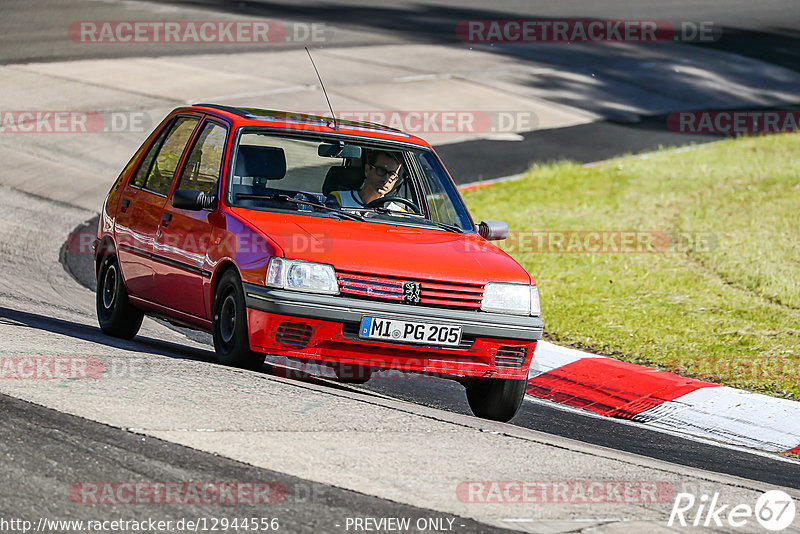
(335, 122)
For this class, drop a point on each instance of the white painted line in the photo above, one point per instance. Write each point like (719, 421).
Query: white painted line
(549, 357)
(719, 415)
(731, 415)
(664, 430)
(643, 155)
(422, 77)
(647, 155)
(267, 92)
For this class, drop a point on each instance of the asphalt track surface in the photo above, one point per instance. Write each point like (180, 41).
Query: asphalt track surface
(70, 448)
(768, 31)
(96, 452)
(34, 31)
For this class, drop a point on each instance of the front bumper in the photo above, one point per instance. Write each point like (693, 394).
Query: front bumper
(333, 324)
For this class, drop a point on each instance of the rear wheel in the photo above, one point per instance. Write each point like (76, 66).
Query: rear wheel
(115, 313)
(495, 398)
(231, 340)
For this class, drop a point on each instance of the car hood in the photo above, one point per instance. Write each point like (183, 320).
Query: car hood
(387, 249)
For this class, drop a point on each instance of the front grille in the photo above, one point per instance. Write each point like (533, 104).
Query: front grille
(432, 293)
(510, 356)
(294, 334)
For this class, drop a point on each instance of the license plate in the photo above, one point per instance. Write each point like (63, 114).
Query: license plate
(408, 332)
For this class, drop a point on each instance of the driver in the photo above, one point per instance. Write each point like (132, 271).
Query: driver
(381, 173)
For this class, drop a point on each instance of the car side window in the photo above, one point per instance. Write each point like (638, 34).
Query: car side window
(439, 199)
(144, 167)
(202, 169)
(162, 170)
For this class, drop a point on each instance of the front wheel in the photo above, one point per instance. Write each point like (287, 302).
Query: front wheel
(231, 339)
(494, 398)
(115, 313)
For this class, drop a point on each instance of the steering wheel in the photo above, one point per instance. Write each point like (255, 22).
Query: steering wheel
(386, 200)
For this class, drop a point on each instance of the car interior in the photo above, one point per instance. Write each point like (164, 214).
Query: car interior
(258, 166)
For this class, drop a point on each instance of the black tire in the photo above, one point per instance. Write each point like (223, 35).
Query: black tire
(231, 340)
(351, 373)
(115, 313)
(494, 398)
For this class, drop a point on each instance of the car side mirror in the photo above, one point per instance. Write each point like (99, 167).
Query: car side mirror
(493, 230)
(189, 199)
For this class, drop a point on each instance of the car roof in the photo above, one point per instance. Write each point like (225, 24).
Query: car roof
(304, 121)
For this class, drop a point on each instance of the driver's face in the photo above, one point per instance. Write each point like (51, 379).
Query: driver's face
(382, 184)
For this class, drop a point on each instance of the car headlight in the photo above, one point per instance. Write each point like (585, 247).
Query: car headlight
(302, 276)
(517, 299)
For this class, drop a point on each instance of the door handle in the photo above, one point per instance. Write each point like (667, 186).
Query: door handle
(165, 219)
(124, 203)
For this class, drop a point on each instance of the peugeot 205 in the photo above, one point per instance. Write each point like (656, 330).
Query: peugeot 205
(335, 242)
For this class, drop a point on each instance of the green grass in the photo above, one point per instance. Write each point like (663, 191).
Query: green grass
(721, 303)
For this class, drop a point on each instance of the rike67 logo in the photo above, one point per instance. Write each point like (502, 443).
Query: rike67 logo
(774, 511)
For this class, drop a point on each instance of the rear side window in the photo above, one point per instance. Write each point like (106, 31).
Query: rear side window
(202, 169)
(147, 162)
(161, 169)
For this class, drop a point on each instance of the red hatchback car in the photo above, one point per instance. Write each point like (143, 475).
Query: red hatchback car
(337, 242)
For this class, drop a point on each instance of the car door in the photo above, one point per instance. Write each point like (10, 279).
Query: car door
(182, 237)
(142, 203)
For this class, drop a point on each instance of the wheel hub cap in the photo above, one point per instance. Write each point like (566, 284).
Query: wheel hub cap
(227, 319)
(110, 287)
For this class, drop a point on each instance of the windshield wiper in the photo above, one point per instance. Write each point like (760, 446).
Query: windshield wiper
(287, 198)
(444, 226)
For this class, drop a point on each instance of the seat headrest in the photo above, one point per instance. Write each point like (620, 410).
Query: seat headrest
(343, 179)
(261, 161)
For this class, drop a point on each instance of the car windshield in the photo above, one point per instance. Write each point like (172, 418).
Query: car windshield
(351, 178)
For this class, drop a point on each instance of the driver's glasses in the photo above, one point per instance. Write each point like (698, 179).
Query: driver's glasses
(382, 172)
